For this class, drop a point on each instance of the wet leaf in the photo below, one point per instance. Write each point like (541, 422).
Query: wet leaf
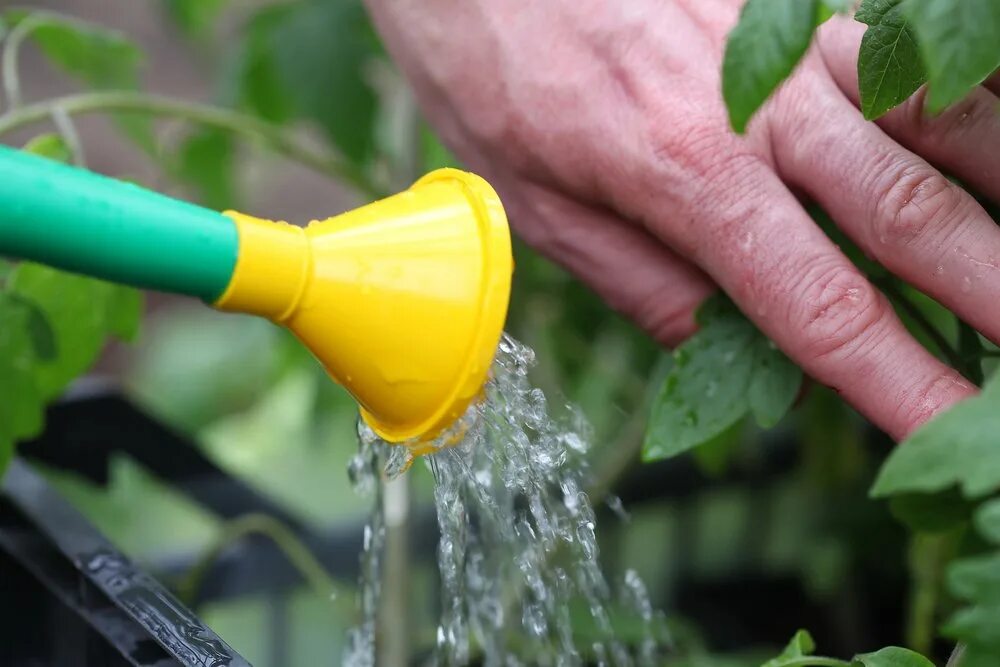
(724, 372)
(889, 65)
(958, 447)
(891, 656)
(960, 43)
(761, 52)
(801, 644)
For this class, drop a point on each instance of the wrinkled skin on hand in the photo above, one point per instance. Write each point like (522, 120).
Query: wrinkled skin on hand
(602, 126)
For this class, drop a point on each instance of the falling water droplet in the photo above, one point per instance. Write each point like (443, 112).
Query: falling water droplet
(510, 493)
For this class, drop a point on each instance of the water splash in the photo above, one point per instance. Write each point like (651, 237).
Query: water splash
(518, 550)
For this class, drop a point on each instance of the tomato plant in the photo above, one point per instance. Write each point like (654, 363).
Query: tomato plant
(943, 480)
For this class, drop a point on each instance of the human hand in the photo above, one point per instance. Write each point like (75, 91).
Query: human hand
(603, 129)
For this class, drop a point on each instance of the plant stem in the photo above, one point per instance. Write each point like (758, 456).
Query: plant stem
(297, 553)
(929, 555)
(888, 285)
(275, 137)
(11, 51)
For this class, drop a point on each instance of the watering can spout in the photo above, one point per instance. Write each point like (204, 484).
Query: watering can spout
(403, 300)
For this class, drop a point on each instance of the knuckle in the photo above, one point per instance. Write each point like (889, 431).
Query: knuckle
(929, 397)
(668, 321)
(913, 205)
(940, 131)
(839, 313)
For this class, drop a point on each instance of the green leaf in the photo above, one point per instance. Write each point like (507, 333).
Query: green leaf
(95, 56)
(802, 644)
(762, 50)
(320, 51)
(976, 579)
(976, 655)
(976, 625)
(960, 43)
(892, 656)
(50, 145)
(958, 447)
(122, 312)
(931, 512)
(987, 520)
(21, 405)
(43, 340)
(253, 82)
(839, 6)
(889, 65)
(205, 161)
(194, 16)
(723, 372)
(830, 8)
(81, 312)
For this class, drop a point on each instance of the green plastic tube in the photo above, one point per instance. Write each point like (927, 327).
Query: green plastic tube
(83, 222)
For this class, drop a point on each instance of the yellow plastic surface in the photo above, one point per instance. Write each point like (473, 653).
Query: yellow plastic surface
(403, 300)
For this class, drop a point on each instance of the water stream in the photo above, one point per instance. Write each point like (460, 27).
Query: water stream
(518, 556)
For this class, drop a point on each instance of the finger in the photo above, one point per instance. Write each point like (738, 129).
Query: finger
(630, 269)
(964, 139)
(896, 207)
(757, 242)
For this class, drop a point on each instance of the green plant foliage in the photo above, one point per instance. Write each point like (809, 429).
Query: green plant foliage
(975, 580)
(769, 40)
(889, 64)
(799, 653)
(194, 16)
(891, 656)
(21, 409)
(82, 312)
(725, 371)
(294, 57)
(931, 512)
(987, 520)
(54, 325)
(960, 43)
(958, 447)
(95, 56)
(801, 644)
(205, 161)
(253, 82)
(50, 145)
